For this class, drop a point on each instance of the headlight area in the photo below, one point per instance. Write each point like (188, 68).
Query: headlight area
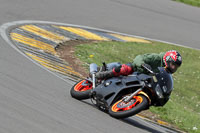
(159, 92)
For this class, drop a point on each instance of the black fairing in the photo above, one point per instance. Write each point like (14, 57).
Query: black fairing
(165, 81)
(109, 89)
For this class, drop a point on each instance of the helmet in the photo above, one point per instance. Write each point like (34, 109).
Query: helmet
(172, 60)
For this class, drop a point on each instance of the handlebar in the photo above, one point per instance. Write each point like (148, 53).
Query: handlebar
(148, 69)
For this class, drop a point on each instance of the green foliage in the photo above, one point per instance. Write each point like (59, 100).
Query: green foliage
(183, 109)
(191, 2)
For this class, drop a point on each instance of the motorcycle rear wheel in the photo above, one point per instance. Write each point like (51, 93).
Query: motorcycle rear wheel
(81, 90)
(120, 109)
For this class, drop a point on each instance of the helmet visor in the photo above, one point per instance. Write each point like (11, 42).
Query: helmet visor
(173, 67)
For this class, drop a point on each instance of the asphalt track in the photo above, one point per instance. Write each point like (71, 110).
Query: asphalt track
(33, 100)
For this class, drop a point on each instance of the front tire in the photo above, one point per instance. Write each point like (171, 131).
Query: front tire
(120, 109)
(81, 90)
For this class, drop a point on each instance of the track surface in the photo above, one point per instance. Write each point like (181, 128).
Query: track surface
(33, 100)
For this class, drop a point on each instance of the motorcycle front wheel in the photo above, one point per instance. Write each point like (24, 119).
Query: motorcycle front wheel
(120, 109)
(81, 90)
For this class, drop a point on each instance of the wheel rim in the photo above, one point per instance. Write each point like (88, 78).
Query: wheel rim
(122, 106)
(84, 85)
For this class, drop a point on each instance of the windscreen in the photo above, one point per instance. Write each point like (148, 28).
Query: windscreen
(165, 80)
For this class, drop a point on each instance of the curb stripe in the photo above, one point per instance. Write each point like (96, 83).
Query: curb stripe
(53, 66)
(130, 39)
(41, 54)
(69, 75)
(44, 33)
(84, 33)
(106, 35)
(162, 122)
(30, 35)
(34, 43)
(49, 61)
(54, 29)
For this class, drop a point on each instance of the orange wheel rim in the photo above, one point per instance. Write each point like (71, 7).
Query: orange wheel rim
(83, 85)
(122, 106)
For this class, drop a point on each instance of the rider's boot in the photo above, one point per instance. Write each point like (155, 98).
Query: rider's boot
(104, 74)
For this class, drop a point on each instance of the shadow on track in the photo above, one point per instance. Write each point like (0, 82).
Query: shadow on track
(130, 121)
(139, 125)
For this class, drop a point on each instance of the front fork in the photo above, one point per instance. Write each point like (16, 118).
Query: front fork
(139, 91)
(93, 70)
(128, 98)
(93, 81)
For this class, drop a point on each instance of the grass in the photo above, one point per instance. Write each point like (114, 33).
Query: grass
(183, 109)
(190, 2)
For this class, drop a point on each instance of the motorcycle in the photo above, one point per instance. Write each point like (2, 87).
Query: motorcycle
(125, 96)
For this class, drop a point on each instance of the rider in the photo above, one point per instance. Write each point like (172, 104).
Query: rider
(171, 60)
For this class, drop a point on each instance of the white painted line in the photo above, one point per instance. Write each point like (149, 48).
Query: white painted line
(15, 23)
(4, 34)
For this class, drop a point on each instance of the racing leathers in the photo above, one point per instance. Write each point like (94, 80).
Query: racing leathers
(152, 61)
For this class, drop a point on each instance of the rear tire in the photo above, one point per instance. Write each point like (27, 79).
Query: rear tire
(122, 110)
(81, 90)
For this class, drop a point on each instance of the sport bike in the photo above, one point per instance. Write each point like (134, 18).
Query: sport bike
(125, 96)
